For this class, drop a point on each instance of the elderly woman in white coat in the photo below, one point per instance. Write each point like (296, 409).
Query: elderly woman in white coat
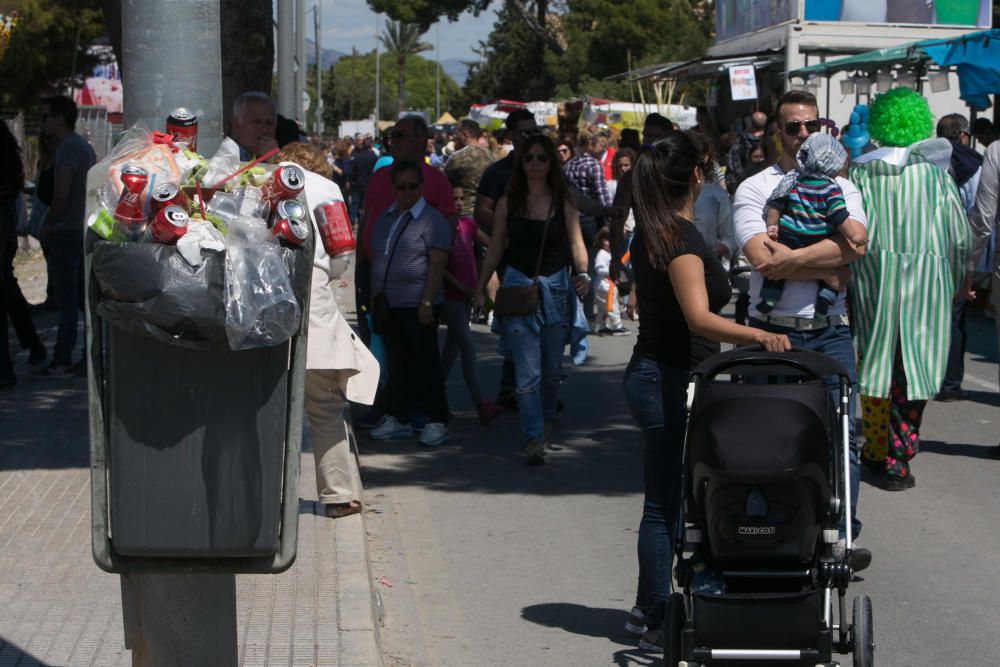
(338, 365)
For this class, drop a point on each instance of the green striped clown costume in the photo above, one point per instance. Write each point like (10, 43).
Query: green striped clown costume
(902, 288)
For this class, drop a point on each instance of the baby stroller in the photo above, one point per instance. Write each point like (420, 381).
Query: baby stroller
(764, 491)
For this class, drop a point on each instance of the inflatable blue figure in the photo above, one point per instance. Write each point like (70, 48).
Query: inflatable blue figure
(856, 137)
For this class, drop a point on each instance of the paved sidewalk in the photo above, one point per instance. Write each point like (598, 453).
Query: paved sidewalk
(58, 608)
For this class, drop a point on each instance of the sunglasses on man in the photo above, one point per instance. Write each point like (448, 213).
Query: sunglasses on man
(406, 186)
(792, 128)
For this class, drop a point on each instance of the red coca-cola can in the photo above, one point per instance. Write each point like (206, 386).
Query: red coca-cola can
(334, 227)
(128, 213)
(167, 194)
(289, 222)
(168, 225)
(183, 124)
(287, 182)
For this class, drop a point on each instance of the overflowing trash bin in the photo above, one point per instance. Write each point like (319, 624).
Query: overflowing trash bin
(198, 277)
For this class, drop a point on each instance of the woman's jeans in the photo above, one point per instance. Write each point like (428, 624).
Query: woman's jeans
(459, 340)
(656, 396)
(535, 344)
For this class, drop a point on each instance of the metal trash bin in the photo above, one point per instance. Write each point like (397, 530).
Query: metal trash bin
(194, 447)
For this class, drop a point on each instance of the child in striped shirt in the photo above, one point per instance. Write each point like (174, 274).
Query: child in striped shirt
(808, 206)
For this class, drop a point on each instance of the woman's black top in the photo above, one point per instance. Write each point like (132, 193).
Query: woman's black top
(663, 331)
(525, 236)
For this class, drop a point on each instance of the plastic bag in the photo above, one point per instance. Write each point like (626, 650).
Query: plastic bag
(225, 161)
(136, 146)
(261, 306)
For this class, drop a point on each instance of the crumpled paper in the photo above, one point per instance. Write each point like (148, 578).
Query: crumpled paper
(200, 236)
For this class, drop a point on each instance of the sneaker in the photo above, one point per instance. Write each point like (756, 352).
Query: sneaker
(390, 429)
(534, 453)
(38, 356)
(652, 640)
(636, 623)
(370, 420)
(54, 371)
(620, 331)
(488, 411)
(435, 433)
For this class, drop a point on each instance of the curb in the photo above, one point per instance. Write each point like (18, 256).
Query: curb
(358, 602)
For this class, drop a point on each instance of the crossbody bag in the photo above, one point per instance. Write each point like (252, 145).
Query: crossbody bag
(523, 300)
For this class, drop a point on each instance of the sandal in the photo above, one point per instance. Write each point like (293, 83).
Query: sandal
(339, 510)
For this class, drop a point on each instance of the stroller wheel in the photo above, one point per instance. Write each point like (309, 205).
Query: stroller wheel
(673, 623)
(864, 636)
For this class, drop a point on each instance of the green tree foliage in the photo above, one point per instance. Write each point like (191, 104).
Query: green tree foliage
(351, 82)
(402, 41)
(600, 37)
(424, 13)
(48, 49)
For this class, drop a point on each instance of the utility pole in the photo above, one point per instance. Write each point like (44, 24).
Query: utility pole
(176, 618)
(350, 99)
(300, 59)
(286, 55)
(378, 74)
(318, 123)
(437, 83)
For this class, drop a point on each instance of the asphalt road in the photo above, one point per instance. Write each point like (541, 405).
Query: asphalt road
(482, 561)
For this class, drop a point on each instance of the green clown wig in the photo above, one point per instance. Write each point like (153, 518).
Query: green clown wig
(900, 117)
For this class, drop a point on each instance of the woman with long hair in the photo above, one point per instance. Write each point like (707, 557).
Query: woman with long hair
(12, 302)
(536, 232)
(681, 287)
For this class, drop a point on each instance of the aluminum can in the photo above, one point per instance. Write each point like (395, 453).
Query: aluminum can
(183, 124)
(128, 213)
(289, 222)
(287, 182)
(167, 226)
(334, 227)
(167, 194)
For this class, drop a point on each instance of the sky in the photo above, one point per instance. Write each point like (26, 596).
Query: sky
(348, 23)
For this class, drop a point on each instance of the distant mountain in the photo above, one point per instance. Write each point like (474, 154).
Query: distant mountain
(456, 69)
(330, 56)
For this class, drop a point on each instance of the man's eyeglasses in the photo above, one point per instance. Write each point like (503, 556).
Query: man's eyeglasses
(792, 128)
(406, 187)
(542, 158)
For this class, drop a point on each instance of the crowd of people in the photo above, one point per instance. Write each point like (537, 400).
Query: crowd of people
(549, 236)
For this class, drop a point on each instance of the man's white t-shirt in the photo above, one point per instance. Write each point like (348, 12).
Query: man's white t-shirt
(749, 219)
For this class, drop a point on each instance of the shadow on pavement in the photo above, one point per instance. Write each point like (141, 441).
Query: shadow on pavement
(951, 449)
(43, 425)
(11, 654)
(581, 620)
(600, 449)
(984, 398)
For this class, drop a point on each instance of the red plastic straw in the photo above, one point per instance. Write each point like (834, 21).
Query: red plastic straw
(201, 201)
(248, 165)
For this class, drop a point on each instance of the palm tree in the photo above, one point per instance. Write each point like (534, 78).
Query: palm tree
(402, 40)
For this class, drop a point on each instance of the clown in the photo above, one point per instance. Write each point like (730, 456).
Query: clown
(904, 285)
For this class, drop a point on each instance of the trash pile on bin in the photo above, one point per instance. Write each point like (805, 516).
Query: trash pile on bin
(196, 250)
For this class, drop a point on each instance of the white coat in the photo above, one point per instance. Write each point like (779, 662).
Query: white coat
(333, 344)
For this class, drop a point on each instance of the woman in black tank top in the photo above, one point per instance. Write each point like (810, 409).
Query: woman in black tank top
(536, 232)
(681, 288)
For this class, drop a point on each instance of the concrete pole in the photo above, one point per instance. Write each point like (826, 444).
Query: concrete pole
(172, 58)
(286, 55)
(300, 59)
(318, 124)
